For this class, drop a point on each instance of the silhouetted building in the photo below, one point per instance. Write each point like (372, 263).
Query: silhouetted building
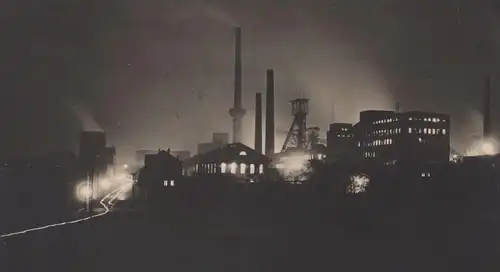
(140, 155)
(237, 159)
(340, 142)
(160, 171)
(92, 154)
(110, 153)
(389, 137)
(181, 155)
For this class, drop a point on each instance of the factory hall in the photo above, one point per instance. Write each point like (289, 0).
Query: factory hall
(237, 159)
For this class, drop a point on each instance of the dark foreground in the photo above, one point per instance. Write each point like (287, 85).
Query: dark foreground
(310, 234)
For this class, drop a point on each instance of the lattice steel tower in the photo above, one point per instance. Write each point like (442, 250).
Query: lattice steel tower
(297, 135)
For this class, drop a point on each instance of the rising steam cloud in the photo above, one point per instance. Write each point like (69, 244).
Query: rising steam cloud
(87, 121)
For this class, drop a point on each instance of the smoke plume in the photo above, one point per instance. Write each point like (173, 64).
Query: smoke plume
(87, 121)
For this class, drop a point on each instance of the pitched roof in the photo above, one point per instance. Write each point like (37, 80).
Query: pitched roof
(228, 151)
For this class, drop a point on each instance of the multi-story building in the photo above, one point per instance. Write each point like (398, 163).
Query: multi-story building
(414, 136)
(340, 142)
(161, 170)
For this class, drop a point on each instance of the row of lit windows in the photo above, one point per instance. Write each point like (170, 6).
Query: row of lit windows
(382, 132)
(380, 142)
(344, 135)
(432, 120)
(232, 168)
(430, 131)
(369, 154)
(386, 121)
(344, 129)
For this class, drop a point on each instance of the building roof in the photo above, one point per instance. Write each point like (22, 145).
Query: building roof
(228, 152)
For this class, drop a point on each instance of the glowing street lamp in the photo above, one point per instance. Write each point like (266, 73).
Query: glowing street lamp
(84, 191)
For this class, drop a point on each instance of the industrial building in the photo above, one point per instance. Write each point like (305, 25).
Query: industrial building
(389, 137)
(181, 155)
(94, 155)
(341, 146)
(160, 171)
(140, 155)
(237, 159)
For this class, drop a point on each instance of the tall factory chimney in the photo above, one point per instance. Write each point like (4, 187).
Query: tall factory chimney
(270, 113)
(486, 108)
(258, 122)
(237, 112)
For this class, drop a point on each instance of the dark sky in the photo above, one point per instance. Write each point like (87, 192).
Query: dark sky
(137, 65)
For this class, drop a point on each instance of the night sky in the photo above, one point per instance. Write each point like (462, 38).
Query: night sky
(158, 74)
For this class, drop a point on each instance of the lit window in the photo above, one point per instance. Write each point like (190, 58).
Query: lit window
(252, 168)
(390, 141)
(359, 144)
(444, 131)
(425, 131)
(172, 183)
(243, 168)
(196, 168)
(433, 131)
(243, 153)
(223, 167)
(165, 183)
(410, 118)
(420, 140)
(409, 130)
(233, 168)
(261, 169)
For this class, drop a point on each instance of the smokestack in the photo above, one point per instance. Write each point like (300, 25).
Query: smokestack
(486, 108)
(258, 122)
(237, 67)
(270, 113)
(237, 112)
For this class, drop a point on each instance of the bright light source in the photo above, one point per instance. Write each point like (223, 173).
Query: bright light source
(84, 191)
(488, 148)
(359, 184)
(483, 147)
(292, 166)
(233, 168)
(125, 166)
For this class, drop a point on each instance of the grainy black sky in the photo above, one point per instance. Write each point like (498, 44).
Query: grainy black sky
(137, 66)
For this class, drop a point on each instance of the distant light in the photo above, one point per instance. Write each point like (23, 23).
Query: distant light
(125, 166)
(358, 184)
(84, 191)
(488, 148)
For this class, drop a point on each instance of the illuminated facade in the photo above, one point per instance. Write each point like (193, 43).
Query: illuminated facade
(236, 159)
(389, 137)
